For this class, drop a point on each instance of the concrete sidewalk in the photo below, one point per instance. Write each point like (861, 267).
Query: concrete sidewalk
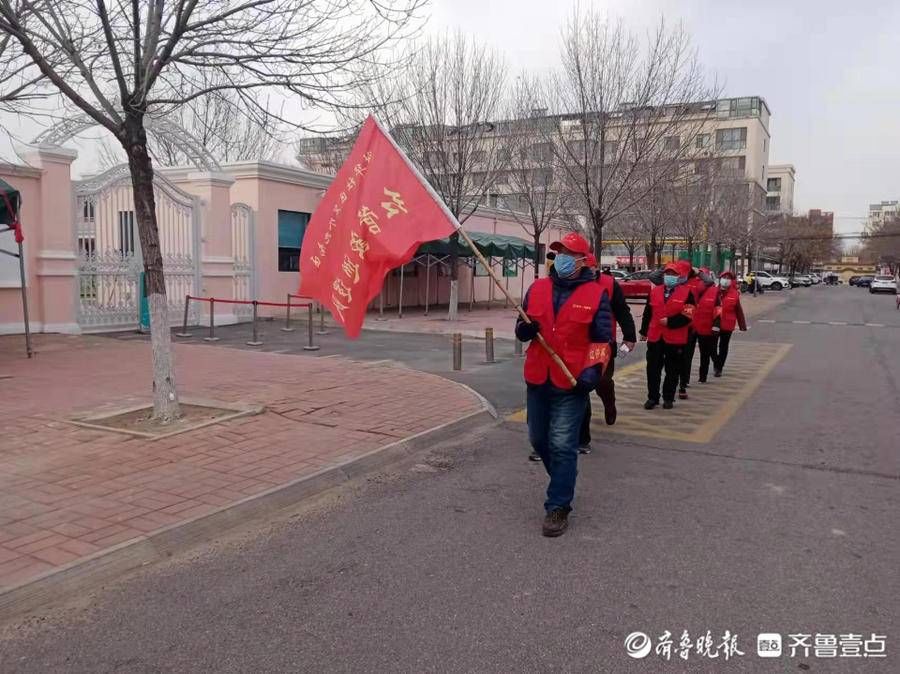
(69, 493)
(503, 319)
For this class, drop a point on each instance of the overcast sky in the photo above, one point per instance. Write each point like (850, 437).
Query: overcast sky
(829, 71)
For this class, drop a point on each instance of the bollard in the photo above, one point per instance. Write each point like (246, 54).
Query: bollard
(310, 346)
(322, 330)
(212, 322)
(184, 332)
(287, 317)
(489, 345)
(518, 350)
(457, 351)
(255, 341)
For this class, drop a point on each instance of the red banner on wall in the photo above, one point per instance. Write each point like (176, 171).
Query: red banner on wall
(374, 216)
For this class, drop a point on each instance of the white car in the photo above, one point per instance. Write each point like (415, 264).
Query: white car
(618, 274)
(770, 282)
(883, 284)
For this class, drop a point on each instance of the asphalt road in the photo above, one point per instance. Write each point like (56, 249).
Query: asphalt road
(786, 522)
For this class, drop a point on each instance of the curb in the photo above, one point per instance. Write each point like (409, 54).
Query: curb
(84, 575)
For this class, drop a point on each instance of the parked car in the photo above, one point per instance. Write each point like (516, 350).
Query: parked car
(864, 281)
(617, 274)
(637, 285)
(852, 280)
(771, 282)
(801, 280)
(882, 284)
(815, 277)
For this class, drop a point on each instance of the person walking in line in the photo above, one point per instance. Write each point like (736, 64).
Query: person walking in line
(706, 324)
(571, 312)
(548, 265)
(732, 314)
(697, 283)
(664, 326)
(606, 389)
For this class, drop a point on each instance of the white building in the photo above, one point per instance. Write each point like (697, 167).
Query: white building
(780, 189)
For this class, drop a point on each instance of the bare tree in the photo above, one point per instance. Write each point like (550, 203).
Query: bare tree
(881, 242)
(19, 79)
(629, 230)
(622, 109)
(537, 193)
(655, 216)
(120, 62)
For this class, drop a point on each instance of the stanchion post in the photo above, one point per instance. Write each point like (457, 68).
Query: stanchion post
(255, 341)
(489, 345)
(287, 317)
(322, 330)
(457, 351)
(310, 345)
(184, 331)
(212, 322)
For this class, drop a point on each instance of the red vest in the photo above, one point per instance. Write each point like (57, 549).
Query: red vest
(608, 283)
(730, 299)
(705, 313)
(661, 307)
(567, 333)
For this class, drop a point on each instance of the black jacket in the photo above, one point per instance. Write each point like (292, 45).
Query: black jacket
(674, 322)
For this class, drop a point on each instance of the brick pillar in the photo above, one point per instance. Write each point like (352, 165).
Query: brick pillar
(57, 291)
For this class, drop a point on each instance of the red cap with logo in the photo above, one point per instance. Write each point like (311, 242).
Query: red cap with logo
(574, 242)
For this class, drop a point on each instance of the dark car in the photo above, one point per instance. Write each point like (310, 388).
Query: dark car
(852, 281)
(637, 285)
(864, 281)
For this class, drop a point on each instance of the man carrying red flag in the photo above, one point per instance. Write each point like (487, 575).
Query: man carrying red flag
(572, 313)
(375, 214)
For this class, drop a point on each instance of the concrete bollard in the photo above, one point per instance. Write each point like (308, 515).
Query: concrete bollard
(255, 341)
(457, 351)
(489, 345)
(212, 322)
(310, 344)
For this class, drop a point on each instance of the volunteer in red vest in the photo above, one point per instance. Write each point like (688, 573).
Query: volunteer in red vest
(732, 314)
(706, 324)
(664, 325)
(697, 284)
(573, 315)
(606, 390)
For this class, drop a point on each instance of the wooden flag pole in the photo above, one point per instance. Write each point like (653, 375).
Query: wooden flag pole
(434, 195)
(518, 306)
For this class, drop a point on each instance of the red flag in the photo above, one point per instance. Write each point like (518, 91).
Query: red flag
(375, 214)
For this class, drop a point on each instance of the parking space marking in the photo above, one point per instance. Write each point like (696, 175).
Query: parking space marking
(698, 419)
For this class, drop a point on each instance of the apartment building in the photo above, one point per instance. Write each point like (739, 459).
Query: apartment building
(780, 189)
(882, 211)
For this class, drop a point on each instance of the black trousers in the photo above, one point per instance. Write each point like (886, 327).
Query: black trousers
(687, 361)
(606, 389)
(663, 357)
(722, 354)
(708, 352)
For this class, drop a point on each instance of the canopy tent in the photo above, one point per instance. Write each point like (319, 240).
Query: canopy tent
(10, 205)
(512, 250)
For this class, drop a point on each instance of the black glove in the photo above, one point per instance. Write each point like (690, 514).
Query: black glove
(587, 381)
(527, 331)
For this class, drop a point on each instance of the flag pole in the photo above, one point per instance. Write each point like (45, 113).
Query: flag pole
(434, 195)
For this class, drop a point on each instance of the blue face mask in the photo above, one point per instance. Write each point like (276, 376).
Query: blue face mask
(670, 281)
(564, 265)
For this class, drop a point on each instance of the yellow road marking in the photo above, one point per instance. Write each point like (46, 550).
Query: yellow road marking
(698, 419)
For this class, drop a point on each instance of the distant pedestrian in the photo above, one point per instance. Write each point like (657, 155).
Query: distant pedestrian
(697, 283)
(570, 311)
(707, 319)
(664, 325)
(732, 314)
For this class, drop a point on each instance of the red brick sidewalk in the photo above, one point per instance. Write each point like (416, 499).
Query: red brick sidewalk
(67, 492)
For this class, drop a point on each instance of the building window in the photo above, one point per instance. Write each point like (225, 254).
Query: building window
(731, 139)
(673, 143)
(291, 228)
(774, 185)
(734, 165)
(703, 141)
(542, 152)
(126, 232)
(773, 203)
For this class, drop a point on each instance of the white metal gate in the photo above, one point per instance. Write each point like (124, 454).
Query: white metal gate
(243, 255)
(108, 249)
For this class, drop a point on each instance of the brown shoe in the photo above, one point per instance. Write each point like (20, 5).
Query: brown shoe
(555, 523)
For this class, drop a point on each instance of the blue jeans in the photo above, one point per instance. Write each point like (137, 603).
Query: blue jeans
(554, 422)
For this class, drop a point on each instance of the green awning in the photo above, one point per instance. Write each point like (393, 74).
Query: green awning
(9, 198)
(490, 245)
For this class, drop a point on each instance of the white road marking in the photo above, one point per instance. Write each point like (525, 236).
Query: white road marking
(837, 323)
(800, 322)
(765, 320)
(875, 325)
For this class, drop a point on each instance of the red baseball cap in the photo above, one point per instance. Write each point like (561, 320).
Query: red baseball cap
(727, 274)
(673, 266)
(684, 268)
(574, 242)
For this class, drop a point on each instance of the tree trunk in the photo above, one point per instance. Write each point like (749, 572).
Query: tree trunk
(165, 396)
(537, 255)
(453, 312)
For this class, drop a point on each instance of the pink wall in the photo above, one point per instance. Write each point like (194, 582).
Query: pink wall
(27, 181)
